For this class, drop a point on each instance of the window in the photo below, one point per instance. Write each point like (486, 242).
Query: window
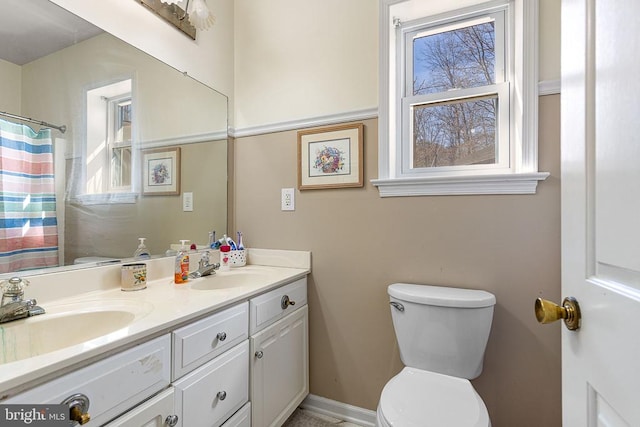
(108, 154)
(458, 104)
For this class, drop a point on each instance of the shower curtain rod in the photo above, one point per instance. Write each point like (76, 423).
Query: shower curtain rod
(62, 128)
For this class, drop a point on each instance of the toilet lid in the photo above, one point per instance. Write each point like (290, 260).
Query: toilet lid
(417, 398)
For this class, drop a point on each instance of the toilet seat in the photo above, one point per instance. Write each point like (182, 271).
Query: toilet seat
(417, 398)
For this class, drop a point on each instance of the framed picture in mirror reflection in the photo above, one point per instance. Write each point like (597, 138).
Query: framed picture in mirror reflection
(161, 172)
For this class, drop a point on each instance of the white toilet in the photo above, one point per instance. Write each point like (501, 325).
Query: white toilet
(442, 334)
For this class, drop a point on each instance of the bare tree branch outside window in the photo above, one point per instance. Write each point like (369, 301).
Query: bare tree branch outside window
(459, 132)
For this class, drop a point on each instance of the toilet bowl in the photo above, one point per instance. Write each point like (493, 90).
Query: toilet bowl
(442, 334)
(417, 398)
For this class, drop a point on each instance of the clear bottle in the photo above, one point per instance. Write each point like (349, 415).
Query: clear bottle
(142, 252)
(182, 264)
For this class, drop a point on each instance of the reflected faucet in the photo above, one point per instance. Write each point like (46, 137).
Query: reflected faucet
(13, 306)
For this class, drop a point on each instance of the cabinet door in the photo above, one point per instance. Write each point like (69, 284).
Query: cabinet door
(279, 369)
(156, 412)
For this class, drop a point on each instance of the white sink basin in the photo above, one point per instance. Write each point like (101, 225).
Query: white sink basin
(67, 325)
(231, 279)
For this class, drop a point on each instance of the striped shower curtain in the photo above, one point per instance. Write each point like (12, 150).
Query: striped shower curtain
(28, 223)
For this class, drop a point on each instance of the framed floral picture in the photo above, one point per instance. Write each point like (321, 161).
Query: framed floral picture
(330, 157)
(161, 172)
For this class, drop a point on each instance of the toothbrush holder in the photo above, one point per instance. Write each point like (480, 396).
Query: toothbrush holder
(238, 258)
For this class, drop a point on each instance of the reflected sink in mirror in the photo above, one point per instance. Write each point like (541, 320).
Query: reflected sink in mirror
(67, 325)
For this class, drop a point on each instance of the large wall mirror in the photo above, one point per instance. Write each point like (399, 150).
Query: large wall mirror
(138, 135)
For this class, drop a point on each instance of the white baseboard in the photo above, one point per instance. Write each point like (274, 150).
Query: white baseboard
(342, 411)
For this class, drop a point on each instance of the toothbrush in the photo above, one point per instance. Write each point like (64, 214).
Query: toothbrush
(240, 245)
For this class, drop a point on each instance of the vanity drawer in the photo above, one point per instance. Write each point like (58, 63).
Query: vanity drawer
(113, 385)
(154, 412)
(212, 393)
(268, 308)
(242, 418)
(199, 342)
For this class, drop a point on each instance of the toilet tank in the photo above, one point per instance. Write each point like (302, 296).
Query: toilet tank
(441, 329)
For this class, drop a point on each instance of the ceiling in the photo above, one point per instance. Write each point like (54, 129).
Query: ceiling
(31, 29)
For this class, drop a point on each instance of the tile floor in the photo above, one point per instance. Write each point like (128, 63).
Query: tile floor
(305, 418)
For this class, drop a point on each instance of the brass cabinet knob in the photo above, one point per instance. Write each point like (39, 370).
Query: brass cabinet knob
(78, 416)
(547, 312)
(78, 408)
(286, 302)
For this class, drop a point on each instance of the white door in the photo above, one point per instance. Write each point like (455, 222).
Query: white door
(601, 211)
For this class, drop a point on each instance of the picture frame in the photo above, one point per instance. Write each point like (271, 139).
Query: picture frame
(161, 172)
(331, 157)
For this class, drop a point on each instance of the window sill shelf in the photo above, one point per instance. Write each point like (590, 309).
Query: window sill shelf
(105, 199)
(517, 183)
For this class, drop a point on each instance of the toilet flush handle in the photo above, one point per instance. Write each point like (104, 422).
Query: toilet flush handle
(397, 305)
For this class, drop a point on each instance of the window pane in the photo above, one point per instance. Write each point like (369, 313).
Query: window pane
(455, 133)
(120, 167)
(455, 59)
(123, 122)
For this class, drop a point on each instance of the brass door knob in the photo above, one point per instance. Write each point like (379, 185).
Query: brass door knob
(547, 312)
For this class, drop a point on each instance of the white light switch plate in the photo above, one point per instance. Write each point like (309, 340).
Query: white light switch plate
(288, 199)
(187, 202)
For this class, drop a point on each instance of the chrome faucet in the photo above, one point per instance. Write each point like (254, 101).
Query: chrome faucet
(204, 267)
(13, 306)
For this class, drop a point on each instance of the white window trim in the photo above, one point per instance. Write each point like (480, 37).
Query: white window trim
(523, 176)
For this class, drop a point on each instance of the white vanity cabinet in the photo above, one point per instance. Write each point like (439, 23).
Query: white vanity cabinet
(112, 385)
(279, 366)
(244, 365)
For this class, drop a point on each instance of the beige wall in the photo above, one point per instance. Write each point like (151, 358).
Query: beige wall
(295, 60)
(209, 58)
(303, 60)
(508, 245)
(10, 82)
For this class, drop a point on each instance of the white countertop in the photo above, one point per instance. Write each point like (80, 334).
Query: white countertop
(159, 308)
